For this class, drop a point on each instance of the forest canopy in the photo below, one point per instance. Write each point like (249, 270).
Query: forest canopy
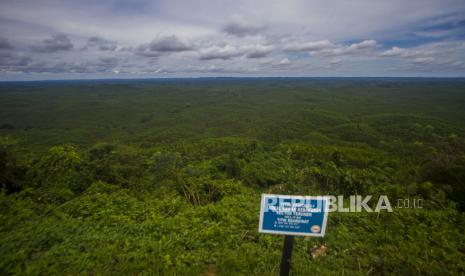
(164, 176)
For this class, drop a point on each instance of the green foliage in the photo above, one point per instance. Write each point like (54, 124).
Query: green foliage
(114, 164)
(11, 174)
(264, 170)
(58, 168)
(57, 175)
(164, 178)
(448, 172)
(165, 165)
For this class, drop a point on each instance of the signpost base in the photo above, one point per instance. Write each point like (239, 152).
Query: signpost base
(287, 255)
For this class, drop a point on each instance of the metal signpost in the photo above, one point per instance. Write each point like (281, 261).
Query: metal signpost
(290, 216)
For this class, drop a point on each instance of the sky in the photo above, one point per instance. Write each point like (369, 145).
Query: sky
(88, 39)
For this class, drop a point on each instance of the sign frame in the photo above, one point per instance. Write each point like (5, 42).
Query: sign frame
(280, 232)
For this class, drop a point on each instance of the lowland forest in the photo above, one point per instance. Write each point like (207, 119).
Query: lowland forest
(164, 177)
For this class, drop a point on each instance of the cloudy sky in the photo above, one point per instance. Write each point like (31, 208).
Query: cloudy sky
(48, 39)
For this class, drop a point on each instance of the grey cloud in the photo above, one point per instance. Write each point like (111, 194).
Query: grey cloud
(5, 44)
(107, 47)
(207, 69)
(190, 69)
(168, 44)
(146, 53)
(9, 60)
(68, 67)
(276, 64)
(258, 54)
(211, 69)
(151, 70)
(57, 42)
(125, 49)
(101, 44)
(258, 51)
(96, 39)
(239, 27)
(160, 45)
(105, 64)
(25, 64)
(108, 60)
(56, 68)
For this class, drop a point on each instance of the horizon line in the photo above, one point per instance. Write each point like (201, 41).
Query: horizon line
(234, 77)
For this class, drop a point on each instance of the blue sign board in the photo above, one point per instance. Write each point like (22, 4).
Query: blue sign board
(293, 215)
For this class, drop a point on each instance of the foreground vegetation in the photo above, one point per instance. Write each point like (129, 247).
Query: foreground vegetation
(165, 177)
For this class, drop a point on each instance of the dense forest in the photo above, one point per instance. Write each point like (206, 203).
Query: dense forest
(165, 176)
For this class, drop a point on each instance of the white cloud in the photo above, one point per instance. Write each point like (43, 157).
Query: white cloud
(422, 60)
(435, 57)
(284, 61)
(359, 48)
(229, 51)
(309, 46)
(216, 52)
(326, 47)
(336, 61)
(366, 44)
(406, 53)
(394, 52)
